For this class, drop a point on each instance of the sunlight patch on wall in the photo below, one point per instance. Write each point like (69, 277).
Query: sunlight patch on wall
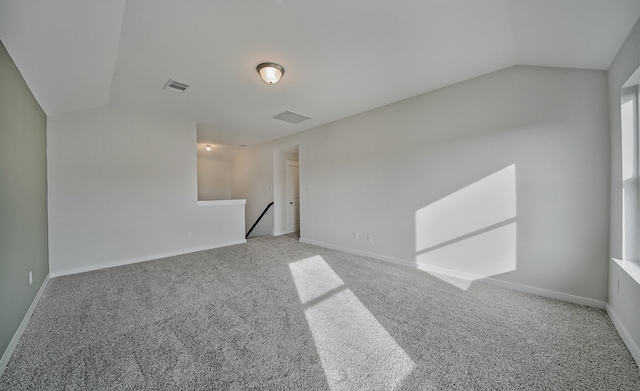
(355, 350)
(485, 254)
(630, 181)
(628, 117)
(471, 233)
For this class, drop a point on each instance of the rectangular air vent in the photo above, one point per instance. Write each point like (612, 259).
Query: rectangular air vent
(175, 86)
(291, 117)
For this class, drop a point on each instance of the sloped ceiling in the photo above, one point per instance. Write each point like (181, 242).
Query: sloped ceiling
(341, 57)
(66, 50)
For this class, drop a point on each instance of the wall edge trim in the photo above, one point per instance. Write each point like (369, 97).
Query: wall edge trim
(580, 300)
(128, 261)
(23, 326)
(491, 281)
(624, 334)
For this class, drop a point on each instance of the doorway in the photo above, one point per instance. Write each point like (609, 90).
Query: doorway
(292, 197)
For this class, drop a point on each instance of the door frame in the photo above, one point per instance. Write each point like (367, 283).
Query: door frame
(290, 163)
(280, 156)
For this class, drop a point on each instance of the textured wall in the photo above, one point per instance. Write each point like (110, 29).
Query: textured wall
(23, 198)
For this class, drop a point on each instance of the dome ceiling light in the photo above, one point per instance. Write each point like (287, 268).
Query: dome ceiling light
(270, 72)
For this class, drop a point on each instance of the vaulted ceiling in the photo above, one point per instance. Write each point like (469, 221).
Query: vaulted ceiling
(340, 57)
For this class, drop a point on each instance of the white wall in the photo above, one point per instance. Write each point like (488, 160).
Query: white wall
(372, 173)
(624, 304)
(252, 174)
(261, 173)
(122, 188)
(214, 179)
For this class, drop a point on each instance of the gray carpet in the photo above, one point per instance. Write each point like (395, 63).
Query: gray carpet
(280, 315)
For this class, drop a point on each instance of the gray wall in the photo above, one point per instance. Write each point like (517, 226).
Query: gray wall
(624, 302)
(23, 198)
(376, 172)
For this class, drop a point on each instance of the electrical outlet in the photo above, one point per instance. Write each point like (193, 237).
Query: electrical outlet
(355, 235)
(30, 277)
(189, 234)
(370, 238)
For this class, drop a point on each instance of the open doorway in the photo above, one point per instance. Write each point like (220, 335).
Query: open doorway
(292, 184)
(286, 191)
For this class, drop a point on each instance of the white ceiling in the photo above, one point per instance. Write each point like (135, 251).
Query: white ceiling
(341, 57)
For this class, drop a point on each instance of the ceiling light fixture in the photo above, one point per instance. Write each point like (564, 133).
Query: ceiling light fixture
(208, 148)
(270, 72)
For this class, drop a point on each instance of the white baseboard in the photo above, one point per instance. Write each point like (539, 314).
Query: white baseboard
(106, 265)
(626, 337)
(547, 293)
(278, 233)
(359, 252)
(466, 276)
(23, 325)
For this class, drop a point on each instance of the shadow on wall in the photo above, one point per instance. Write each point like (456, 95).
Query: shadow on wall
(470, 234)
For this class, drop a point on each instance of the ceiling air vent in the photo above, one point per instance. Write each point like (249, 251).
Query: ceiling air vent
(175, 86)
(292, 117)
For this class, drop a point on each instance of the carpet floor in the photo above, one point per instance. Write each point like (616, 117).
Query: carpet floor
(277, 314)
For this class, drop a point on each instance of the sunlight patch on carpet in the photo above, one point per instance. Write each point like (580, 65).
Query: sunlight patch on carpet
(354, 348)
(313, 278)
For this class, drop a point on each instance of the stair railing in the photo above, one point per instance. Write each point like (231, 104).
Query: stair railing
(259, 218)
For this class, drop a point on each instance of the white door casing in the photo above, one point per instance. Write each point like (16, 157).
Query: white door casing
(293, 196)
